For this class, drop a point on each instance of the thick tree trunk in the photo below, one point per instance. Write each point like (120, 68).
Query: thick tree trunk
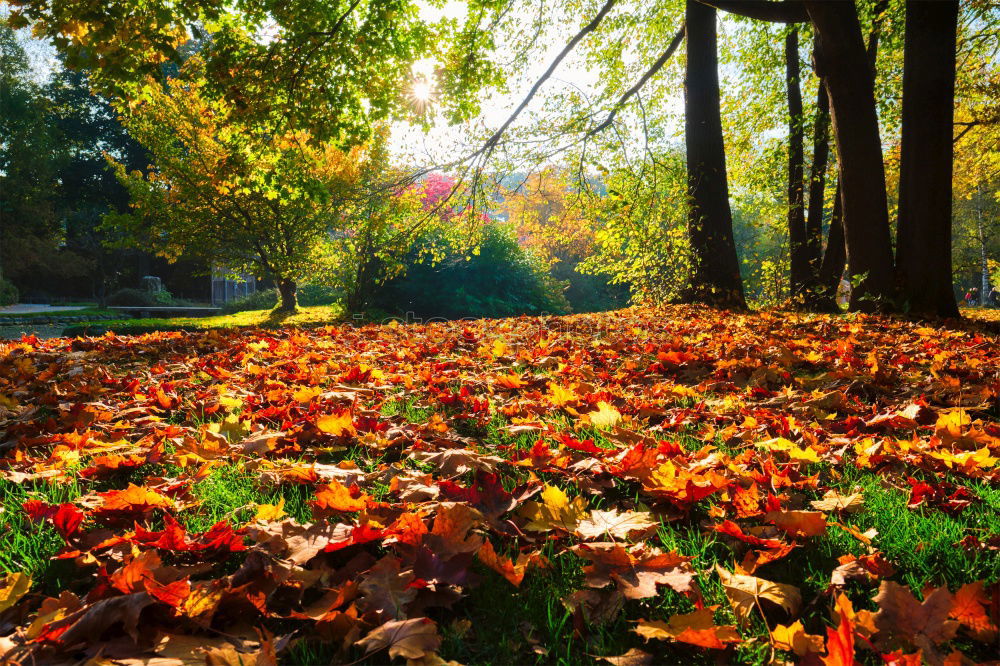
(715, 276)
(841, 61)
(287, 289)
(797, 246)
(817, 192)
(923, 240)
(832, 268)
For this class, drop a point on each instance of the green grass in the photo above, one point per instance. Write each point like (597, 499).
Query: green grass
(83, 311)
(231, 493)
(922, 542)
(316, 315)
(28, 547)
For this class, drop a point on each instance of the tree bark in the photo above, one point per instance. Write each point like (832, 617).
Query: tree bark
(715, 278)
(832, 268)
(923, 240)
(841, 61)
(798, 251)
(287, 290)
(817, 193)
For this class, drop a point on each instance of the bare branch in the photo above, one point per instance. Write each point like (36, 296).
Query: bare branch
(628, 94)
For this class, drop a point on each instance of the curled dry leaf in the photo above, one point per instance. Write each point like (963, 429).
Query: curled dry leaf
(617, 525)
(410, 639)
(746, 594)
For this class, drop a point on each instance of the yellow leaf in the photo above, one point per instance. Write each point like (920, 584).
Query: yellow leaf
(606, 416)
(269, 512)
(306, 393)
(555, 510)
(795, 639)
(336, 424)
(559, 396)
(14, 586)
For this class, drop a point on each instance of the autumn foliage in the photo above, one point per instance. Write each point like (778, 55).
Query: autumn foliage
(437, 458)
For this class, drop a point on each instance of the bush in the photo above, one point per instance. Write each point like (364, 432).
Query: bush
(130, 297)
(308, 294)
(8, 292)
(502, 280)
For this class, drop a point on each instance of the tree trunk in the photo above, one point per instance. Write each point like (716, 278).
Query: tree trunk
(715, 278)
(832, 269)
(841, 61)
(984, 261)
(287, 288)
(923, 240)
(817, 193)
(798, 250)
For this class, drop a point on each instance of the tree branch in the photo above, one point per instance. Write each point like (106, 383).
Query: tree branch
(628, 94)
(790, 11)
(584, 31)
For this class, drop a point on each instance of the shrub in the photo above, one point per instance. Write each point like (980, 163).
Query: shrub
(502, 280)
(8, 292)
(308, 294)
(130, 297)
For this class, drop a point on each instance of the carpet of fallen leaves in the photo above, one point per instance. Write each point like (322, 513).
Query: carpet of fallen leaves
(439, 455)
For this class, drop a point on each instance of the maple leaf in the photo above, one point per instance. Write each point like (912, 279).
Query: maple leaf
(410, 639)
(387, 590)
(13, 587)
(746, 501)
(636, 570)
(337, 498)
(338, 424)
(729, 528)
(634, 657)
(619, 525)
(598, 607)
(969, 609)
(605, 417)
(697, 628)
(794, 638)
(840, 643)
(130, 502)
(203, 600)
(865, 568)
(558, 396)
(83, 625)
(270, 512)
(453, 462)
(683, 485)
(746, 593)
(554, 511)
(512, 571)
(452, 532)
(799, 523)
(834, 501)
(903, 621)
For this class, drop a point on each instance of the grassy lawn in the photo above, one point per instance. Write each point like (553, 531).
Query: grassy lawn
(88, 311)
(512, 491)
(316, 315)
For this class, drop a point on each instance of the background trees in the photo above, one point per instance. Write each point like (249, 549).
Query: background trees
(767, 207)
(244, 198)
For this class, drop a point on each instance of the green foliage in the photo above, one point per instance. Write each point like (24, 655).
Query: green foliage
(8, 292)
(642, 242)
(377, 229)
(338, 67)
(242, 197)
(142, 297)
(500, 280)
